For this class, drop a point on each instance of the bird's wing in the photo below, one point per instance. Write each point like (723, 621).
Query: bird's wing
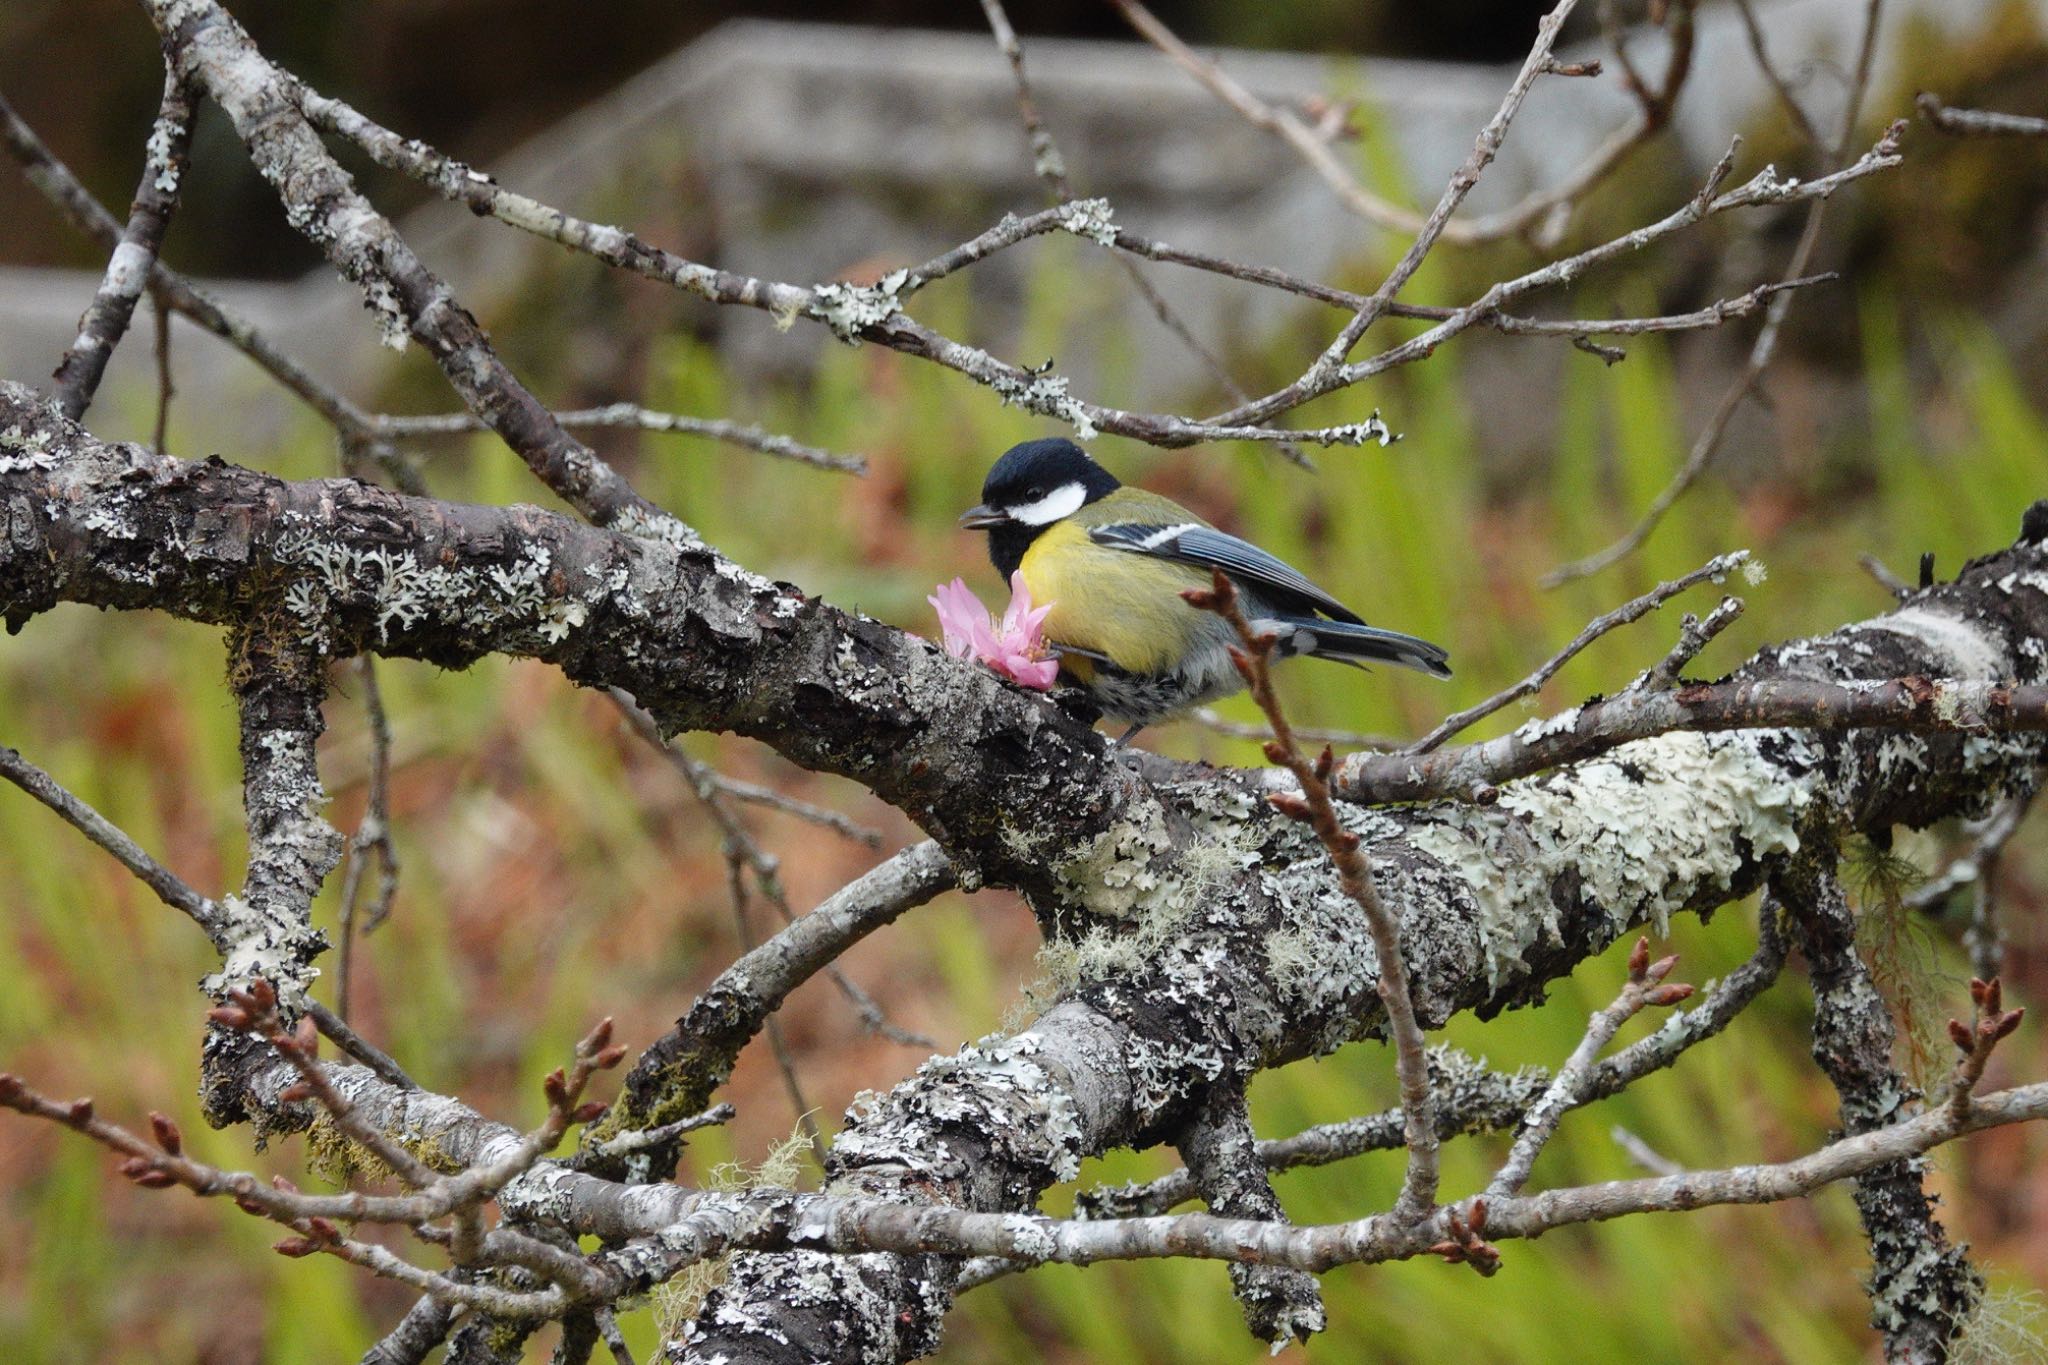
(1205, 547)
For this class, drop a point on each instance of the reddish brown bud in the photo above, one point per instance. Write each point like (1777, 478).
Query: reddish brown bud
(1670, 993)
(323, 1229)
(248, 1205)
(600, 1035)
(2007, 1023)
(167, 1135)
(296, 1092)
(1275, 751)
(1200, 598)
(1959, 1034)
(295, 1246)
(79, 1112)
(156, 1180)
(1326, 763)
(555, 1086)
(588, 1112)
(283, 1185)
(1290, 805)
(10, 1086)
(135, 1166)
(1661, 968)
(307, 1036)
(230, 1017)
(611, 1056)
(1639, 958)
(1478, 1215)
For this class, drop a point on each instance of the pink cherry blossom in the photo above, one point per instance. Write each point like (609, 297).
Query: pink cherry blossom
(1015, 646)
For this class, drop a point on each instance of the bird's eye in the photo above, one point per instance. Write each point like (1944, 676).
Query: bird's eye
(1035, 492)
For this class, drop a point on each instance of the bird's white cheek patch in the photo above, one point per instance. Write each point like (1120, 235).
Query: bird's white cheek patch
(1063, 501)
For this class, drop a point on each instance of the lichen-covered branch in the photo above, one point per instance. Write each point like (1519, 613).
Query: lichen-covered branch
(1279, 1304)
(1922, 1287)
(156, 198)
(210, 50)
(1917, 703)
(1196, 931)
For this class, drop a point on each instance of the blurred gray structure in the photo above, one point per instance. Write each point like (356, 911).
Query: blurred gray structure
(817, 148)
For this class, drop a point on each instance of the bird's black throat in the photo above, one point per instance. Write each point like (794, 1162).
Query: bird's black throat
(1007, 544)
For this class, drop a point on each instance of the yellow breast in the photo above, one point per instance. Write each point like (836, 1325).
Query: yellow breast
(1122, 605)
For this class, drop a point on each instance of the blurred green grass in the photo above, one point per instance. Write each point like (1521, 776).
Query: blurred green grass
(554, 871)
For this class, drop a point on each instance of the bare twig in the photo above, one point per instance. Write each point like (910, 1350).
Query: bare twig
(160, 436)
(741, 848)
(1976, 122)
(1779, 85)
(1543, 208)
(1694, 635)
(1643, 1154)
(1715, 570)
(1210, 719)
(167, 885)
(634, 417)
(1314, 807)
(1051, 167)
(1645, 987)
(1898, 587)
(372, 839)
(1764, 349)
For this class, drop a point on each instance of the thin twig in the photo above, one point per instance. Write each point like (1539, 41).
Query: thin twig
(1644, 987)
(635, 417)
(1777, 81)
(1051, 167)
(741, 847)
(161, 312)
(1715, 569)
(1764, 349)
(1976, 122)
(1694, 635)
(1210, 719)
(1898, 587)
(1314, 807)
(156, 199)
(372, 839)
(168, 886)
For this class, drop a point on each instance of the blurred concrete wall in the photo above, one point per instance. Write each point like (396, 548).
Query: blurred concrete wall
(800, 151)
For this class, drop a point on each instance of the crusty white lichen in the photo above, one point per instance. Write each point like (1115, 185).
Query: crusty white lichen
(850, 309)
(1642, 830)
(994, 1087)
(1089, 218)
(1045, 394)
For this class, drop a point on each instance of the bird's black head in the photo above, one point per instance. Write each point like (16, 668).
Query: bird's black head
(1032, 486)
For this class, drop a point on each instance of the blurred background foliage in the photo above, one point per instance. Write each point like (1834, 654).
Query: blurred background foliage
(557, 870)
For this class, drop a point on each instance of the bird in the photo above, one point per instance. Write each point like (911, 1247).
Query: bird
(1113, 562)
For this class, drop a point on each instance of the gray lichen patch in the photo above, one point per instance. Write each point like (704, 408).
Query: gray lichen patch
(995, 1089)
(850, 309)
(1641, 831)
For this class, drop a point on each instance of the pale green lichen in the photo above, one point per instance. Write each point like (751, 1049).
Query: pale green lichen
(1642, 830)
(850, 309)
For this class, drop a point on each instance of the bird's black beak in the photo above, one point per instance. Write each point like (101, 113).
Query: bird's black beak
(982, 518)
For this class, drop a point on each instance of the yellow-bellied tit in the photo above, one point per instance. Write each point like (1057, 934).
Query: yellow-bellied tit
(1113, 562)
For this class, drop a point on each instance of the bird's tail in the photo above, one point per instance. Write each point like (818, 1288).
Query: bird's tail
(1349, 643)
